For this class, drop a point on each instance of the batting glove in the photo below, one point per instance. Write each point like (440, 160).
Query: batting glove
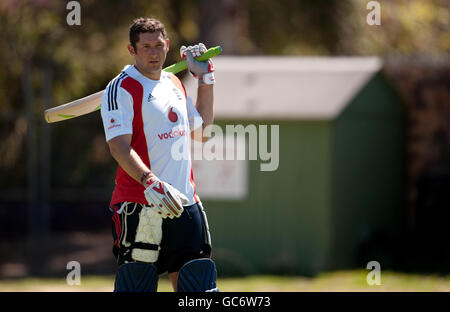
(204, 71)
(166, 199)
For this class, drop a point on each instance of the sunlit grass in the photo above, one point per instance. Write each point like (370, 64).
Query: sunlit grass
(331, 281)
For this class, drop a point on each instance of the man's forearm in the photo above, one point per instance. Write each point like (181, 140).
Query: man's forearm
(127, 158)
(205, 103)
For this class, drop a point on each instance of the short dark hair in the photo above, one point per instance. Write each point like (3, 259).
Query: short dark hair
(143, 25)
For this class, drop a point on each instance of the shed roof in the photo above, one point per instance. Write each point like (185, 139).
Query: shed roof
(286, 87)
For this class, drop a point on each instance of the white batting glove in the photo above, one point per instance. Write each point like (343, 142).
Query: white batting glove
(166, 199)
(204, 71)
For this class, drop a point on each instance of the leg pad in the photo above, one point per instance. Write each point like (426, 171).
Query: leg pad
(198, 275)
(136, 277)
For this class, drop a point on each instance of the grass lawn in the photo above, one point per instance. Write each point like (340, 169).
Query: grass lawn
(332, 281)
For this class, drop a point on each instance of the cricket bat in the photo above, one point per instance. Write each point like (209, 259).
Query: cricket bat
(92, 103)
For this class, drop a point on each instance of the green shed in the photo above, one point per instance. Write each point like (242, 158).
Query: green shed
(340, 170)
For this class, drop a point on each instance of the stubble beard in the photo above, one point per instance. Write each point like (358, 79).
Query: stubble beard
(149, 69)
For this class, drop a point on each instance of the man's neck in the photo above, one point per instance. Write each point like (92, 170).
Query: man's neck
(152, 76)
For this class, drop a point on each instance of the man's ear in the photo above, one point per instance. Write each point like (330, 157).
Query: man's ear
(167, 45)
(131, 50)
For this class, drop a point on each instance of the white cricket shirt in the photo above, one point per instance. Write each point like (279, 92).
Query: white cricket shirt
(160, 117)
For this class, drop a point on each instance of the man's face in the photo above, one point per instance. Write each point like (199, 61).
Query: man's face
(150, 53)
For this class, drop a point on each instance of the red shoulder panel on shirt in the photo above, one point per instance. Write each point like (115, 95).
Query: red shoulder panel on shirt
(128, 189)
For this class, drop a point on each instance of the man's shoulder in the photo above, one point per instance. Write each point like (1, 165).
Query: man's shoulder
(127, 72)
(173, 79)
(124, 85)
(127, 80)
(117, 78)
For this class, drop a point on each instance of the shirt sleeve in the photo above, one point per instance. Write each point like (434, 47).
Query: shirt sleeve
(117, 111)
(195, 119)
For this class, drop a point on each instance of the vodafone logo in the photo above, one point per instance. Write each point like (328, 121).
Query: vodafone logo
(173, 117)
(172, 134)
(112, 121)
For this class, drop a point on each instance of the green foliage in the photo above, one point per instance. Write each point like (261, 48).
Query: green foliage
(84, 58)
(408, 27)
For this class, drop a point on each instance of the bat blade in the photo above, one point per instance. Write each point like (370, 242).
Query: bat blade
(92, 103)
(73, 109)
